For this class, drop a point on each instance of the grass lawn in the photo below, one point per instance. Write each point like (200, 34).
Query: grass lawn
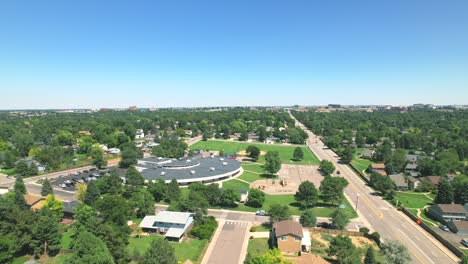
(257, 246)
(66, 239)
(361, 164)
(285, 152)
(235, 185)
(412, 200)
(187, 249)
(59, 259)
(20, 260)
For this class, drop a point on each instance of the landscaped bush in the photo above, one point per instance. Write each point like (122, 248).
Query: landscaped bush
(205, 229)
(364, 230)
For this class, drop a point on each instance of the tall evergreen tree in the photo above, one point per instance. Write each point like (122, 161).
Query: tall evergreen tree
(92, 193)
(19, 185)
(307, 194)
(91, 250)
(160, 252)
(46, 188)
(445, 194)
(133, 177)
(46, 236)
(173, 191)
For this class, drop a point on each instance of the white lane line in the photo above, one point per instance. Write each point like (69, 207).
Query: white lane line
(416, 246)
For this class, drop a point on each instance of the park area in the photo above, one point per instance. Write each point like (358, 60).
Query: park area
(234, 147)
(416, 204)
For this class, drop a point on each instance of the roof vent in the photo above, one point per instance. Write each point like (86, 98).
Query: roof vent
(192, 172)
(221, 159)
(188, 161)
(163, 173)
(212, 168)
(224, 163)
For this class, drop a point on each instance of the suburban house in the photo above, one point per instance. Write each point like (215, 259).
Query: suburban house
(139, 134)
(252, 137)
(400, 181)
(413, 183)
(68, 208)
(271, 140)
(447, 212)
(379, 168)
(459, 227)
(411, 167)
(288, 236)
(172, 225)
(35, 202)
(368, 153)
(434, 180)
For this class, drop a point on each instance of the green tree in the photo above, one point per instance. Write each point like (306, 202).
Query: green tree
(22, 168)
(111, 184)
(46, 236)
(445, 194)
(398, 160)
(46, 188)
(307, 194)
(158, 189)
(461, 195)
(133, 177)
(173, 191)
(92, 193)
(370, 256)
(160, 252)
(170, 147)
(253, 152)
(383, 184)
(327, 167)
(394, 252)
(255, 198)
(279, 212)
(128, 157)
(244, 136)
(54, 205)
(342, 247)
(298, 154)
(308, 218)
(332, 188)
(273, 256)
(340, 218)
(272, 162)
(143, 202)
(229, 197)
(114, 209)
(97, 155)
(19, 185)
(347, 155)
(90, 249)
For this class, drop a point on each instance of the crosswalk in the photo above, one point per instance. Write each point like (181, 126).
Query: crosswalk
(236, 223)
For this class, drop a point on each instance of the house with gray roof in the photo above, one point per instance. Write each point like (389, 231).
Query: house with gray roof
(400, 181)
(172, 225)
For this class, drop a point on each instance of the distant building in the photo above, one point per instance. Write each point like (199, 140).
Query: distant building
(413, 183)
(368, 153)
(434, 180)
(379, 168)
(400, 182)
(132, 108)
(271, 140)
(244, 195)
(459, 227)
(334, 105)
(172, 225)
(139, 134)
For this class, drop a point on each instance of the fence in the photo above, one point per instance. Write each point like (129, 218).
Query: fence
(442, 240)
(360, 174)
(336, 232)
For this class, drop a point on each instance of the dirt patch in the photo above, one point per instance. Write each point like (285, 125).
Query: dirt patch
(359, 242)
(244, 153)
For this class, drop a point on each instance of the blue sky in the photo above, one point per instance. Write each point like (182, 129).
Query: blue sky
(58, 54)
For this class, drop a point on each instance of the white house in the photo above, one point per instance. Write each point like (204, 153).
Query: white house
(271, 140)
(139, 134)
(114, 151)
(173, 225)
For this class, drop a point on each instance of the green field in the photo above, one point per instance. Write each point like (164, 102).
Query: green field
(413, 200)
(187, 249)
(235, 185)
(232, 147)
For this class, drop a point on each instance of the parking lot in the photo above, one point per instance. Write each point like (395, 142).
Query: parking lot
(68, 182)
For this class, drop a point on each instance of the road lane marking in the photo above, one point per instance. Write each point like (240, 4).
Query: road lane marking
(417, 248)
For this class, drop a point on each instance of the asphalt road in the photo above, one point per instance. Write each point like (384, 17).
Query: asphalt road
(381, 216)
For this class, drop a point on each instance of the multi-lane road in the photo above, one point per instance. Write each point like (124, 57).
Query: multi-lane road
(381, 216)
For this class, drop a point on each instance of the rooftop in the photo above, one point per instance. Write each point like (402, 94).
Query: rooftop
(288, 227)
(451, 208)
(165, 217)
(398, 179)
(378, 166)
(461, 225)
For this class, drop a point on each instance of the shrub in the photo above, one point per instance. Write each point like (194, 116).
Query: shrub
(205, 229)
(364, 230)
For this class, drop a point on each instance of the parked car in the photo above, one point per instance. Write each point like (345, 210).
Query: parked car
(338, 172)
(464, 242)
(85, 171)
(62, 176)
(261, 213)
(85, 179)
(445, 228)
(96, 175)
(92, 169)
(68, 183)
(76, 173)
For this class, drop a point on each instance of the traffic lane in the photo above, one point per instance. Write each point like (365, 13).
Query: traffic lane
(62, 195)
(229, 244)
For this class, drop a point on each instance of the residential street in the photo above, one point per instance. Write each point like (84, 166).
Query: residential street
(382, 217)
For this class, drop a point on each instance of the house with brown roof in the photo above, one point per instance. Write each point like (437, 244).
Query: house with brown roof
(288, 236)
(447, 212)
(379, 168)
(35, 202)
(434, 180)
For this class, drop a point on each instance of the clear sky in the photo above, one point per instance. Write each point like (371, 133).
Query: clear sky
(89, 53)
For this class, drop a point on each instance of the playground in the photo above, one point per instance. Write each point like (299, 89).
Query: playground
(290, 177)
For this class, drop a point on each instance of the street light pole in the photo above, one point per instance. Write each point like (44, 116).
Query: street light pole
(357, 200)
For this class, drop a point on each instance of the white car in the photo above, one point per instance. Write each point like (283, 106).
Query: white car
(464, 242)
